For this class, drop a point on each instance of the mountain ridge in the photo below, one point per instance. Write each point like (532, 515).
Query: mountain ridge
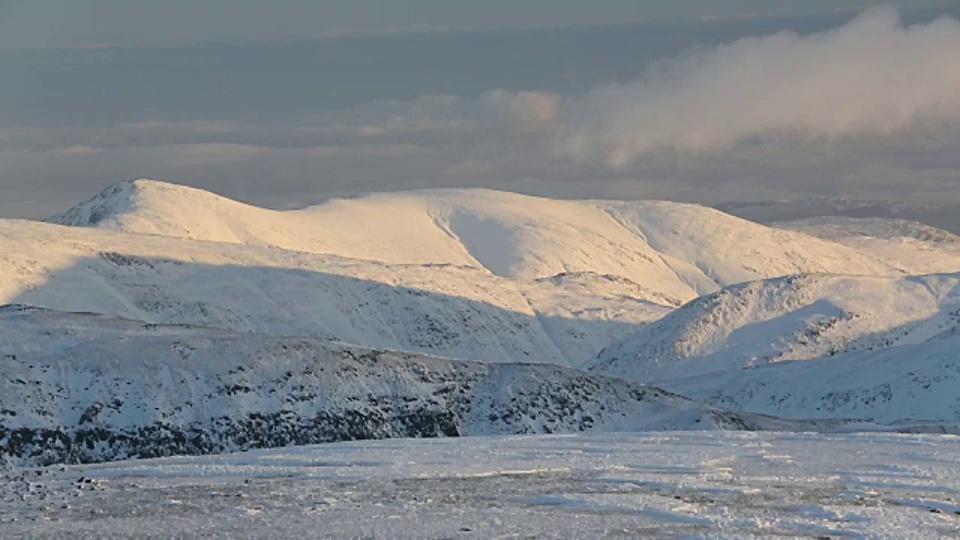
(472, 274)
(798, 317)
(689, 249)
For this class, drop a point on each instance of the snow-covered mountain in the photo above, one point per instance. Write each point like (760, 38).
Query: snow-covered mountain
(909, 245)
(792, 318)
(83, 387)
(869, 349)
(215, 325)
(678, 251)
(846, 229)
(907, 385)
(449, 310)
(471, 274)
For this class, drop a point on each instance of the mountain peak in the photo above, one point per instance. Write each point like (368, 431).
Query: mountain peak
(116, 198)
(153, 207)
(121, 198)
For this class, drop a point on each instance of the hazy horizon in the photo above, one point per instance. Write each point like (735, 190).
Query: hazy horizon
(796, 101)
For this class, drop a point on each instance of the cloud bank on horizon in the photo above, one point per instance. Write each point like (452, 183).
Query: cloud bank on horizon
(871, 77)
(870, 108)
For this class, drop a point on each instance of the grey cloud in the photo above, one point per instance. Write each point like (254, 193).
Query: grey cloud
(870, 109)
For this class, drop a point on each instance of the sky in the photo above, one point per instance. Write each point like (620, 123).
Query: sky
(286, 105)
(78, 23)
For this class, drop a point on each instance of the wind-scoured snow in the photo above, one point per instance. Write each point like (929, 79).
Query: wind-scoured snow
(792, 318)
(651, 485)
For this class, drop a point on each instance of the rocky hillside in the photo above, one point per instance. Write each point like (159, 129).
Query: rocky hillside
(81, 388)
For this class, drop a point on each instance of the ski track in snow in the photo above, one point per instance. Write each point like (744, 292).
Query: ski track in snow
(673, 484)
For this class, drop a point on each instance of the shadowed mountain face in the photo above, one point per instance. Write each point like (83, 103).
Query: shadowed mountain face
(220, 357)
(82, 388)
(898, 386)
(819, 346)
(374, 305)
(783, 319)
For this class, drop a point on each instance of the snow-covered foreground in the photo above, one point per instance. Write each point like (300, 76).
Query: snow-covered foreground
(686, 484)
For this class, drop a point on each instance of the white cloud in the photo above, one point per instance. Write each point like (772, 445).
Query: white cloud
(873, 76)
(525, 110)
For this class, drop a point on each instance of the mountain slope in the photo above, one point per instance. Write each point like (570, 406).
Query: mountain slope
(839, 228)
(473, 274)
(906, 385)
(454, 311)
(679, 251)
(78, 387)
(792, 318)
(908, 245)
